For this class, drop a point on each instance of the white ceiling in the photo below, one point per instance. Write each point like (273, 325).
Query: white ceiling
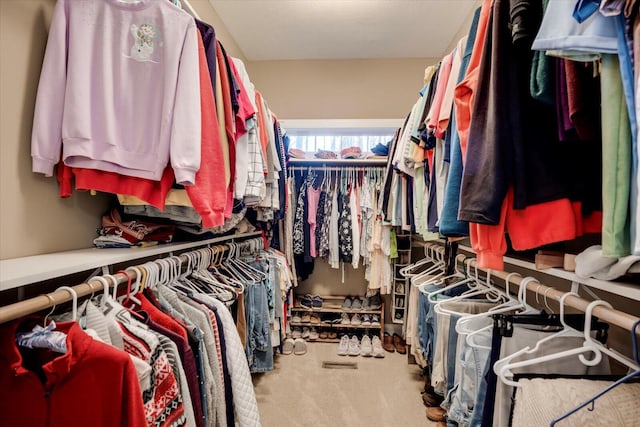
(343, 29)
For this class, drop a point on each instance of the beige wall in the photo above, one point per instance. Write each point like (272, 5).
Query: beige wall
(33, 219)
(340, 89)
(209, 15)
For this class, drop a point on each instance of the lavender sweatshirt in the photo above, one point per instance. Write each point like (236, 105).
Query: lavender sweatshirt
(119, 90)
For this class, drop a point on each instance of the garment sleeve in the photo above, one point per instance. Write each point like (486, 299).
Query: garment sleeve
(132, 406)
(489, 241)
(46, 136)
(186, 131)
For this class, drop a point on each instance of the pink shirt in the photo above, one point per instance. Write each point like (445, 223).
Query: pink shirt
(313, 196)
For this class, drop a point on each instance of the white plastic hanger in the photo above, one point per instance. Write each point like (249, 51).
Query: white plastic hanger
(74, 306)
(512, 304)
(567, 331)
(478, 289)
(428, 258)
(105, 285)
(505, 370)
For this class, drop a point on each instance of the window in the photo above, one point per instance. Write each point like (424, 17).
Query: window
(336, 135)
(335, 143)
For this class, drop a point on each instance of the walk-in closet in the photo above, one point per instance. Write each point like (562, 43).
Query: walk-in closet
(283, 213)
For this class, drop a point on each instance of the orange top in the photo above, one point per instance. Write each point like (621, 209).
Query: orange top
(262, 126)
(464, 93)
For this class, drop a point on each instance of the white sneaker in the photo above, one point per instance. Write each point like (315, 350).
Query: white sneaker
(376, 345)
(343, 347)
(355, 320)
(366, 349)
(354, 346)
(375, 319)
(313, 334)
(344, 319)
(305, 333)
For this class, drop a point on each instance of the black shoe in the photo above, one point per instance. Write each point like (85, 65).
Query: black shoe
(307, 301)
(375, 302)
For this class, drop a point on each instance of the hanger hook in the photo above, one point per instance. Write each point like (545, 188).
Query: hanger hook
(53, 307)
(587, 333)
(74, 295)
(507, 282)
(522, 292)
(545, 300)
(562, 298)
(537, 293)
(105, 287)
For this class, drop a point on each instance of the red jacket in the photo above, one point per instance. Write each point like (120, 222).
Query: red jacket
(93, 384)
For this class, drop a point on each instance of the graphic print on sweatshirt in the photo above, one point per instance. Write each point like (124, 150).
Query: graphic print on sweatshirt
(145, 40)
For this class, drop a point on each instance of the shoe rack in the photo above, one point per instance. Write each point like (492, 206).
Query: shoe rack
(332, 309)
(401, 285)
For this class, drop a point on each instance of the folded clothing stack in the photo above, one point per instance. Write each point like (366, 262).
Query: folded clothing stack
(116, 233)
(325, 154)
(351, 153)
(297, 154)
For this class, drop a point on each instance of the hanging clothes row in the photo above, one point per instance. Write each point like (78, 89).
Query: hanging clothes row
(508, 136)
(175, 348)
(171, 123)
(481, 345)
(334, 217)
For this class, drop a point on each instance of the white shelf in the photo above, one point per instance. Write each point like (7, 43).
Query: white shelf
(18, 272)
(626, 290)
(338, 162)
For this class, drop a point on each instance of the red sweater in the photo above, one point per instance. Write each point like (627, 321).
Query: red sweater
(209, 193)
(93, 384)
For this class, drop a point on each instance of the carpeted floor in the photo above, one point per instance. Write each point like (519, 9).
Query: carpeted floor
(380, 393)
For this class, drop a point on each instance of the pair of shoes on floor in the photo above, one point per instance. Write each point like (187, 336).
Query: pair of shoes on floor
(349, 346)
(297, 346)
(393, 343)
(311, 301)
(371, 347)
(436, 414)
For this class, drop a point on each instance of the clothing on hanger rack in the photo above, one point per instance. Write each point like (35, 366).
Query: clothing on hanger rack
(185, 327)
(450, 340)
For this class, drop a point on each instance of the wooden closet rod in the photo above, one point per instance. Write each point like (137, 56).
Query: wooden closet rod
(611, 316)
(41, 302)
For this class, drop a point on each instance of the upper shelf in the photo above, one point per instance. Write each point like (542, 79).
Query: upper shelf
(17, 272)
(626, 290)
(338, 162)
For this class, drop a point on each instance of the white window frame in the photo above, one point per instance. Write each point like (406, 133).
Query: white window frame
(342, 127)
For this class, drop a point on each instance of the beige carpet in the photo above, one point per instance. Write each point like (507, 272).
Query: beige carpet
(381, 392)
